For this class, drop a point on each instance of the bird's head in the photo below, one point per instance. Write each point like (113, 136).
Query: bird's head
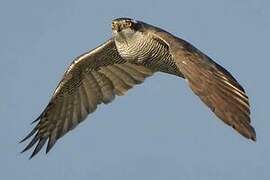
(125, 27)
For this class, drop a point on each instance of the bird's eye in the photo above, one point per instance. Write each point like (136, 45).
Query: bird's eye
(129, 24)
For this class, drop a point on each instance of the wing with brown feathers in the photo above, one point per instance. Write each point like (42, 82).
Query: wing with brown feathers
(215, 86)
(93, 78)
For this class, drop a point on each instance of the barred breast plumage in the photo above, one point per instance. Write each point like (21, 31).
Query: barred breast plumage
(145, 49)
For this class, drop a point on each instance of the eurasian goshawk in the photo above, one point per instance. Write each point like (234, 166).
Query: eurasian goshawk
(136, 51)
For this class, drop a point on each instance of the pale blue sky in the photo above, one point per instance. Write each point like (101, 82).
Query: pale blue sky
(159, 130)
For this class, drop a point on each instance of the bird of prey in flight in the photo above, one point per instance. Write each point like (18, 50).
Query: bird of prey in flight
(136, 51)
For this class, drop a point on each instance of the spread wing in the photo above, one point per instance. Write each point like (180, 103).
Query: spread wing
(214, 85)
(217, 88)
(93, 78)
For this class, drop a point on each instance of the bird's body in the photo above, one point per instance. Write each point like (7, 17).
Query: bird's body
(145, 49)
(136, 51)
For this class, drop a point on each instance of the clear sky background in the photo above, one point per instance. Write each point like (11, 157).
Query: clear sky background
(160, 129)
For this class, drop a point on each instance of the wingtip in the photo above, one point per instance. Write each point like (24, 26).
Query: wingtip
(29, 135)
(253, 137)
(36, 119)
(32, 155)
(24, 139)
(253, 134)
(49, 147)
(23, 150)
(20, 141)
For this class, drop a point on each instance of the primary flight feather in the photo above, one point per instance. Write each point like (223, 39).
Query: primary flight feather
(136, 51)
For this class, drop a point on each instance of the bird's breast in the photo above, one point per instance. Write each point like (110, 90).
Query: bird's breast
(148, 51)
(142, 49)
